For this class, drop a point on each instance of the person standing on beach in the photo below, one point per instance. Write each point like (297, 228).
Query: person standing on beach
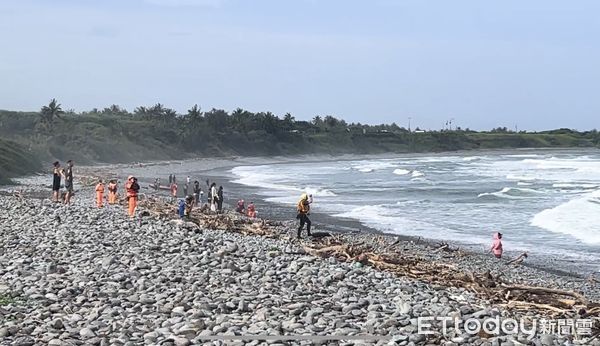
(170, 179)
(220, 200)
(189, 204)
(112, 192)
(174, 189)
(185, 189)
(188, 180)
(69, 182)
(132, 187)
(196, 192)
(56, 175)
(497, 245)
(100, 194)
(214, 197)
(303, 209)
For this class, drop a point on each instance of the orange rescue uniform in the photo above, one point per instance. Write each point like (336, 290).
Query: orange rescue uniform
(99, 195)
(132, 188)
(112, 193)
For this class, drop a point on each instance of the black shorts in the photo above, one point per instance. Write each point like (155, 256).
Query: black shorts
(69, 186)
(56, 186)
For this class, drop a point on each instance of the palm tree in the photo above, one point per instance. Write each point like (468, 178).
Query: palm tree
(157, 110)
(51, 111)
(141, 111)
(170, 113)
(194, 113)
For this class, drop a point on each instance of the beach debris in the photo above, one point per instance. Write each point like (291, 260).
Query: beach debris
(485, 284)
(443, 246)
(518, 260)
(204, 218)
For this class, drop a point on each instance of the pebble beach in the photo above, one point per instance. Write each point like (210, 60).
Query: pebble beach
(79, 275)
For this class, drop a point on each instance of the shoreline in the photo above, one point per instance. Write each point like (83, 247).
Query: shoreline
(226, 282)
(222, 282)
(217, 169)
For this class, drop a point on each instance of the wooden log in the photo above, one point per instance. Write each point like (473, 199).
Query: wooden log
(528, 305)
(518, 260)
(544, 290)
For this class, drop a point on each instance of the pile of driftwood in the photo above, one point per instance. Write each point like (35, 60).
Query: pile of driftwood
(384, 257)
(204, 218)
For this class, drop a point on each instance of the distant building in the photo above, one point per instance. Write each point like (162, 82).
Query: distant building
(419, 131)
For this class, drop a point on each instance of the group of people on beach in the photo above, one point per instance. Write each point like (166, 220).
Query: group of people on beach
(58, 174)
(249, 211)
(214, 199)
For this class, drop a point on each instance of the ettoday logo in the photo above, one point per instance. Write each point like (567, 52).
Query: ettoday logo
(497, 326)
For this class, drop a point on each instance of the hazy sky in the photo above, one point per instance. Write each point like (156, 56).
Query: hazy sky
(531, 63)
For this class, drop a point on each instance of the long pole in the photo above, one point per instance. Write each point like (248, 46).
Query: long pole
(408, 124)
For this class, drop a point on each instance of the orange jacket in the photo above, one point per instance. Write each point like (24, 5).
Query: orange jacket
(100, 188)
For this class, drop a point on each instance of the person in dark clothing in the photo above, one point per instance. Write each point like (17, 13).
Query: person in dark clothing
(208, 191)
(303, 209)
(220, 200)
(69, 182)
(170, 179)
(189, 203)
(185, 189)
(196, 192)
(56, 175)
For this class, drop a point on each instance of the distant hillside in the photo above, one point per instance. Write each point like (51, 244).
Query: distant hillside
(15, 161)
(114, 135)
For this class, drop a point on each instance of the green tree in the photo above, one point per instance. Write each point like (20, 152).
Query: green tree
(141, 111)
(194, 113)
(115, 110)
(50, 112)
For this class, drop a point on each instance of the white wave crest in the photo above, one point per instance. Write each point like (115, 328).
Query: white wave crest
(579, 218)
(400, 171)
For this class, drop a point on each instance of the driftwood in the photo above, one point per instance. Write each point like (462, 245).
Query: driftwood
(486, 285)
(205, 218)
(544, 290)
(517, 261)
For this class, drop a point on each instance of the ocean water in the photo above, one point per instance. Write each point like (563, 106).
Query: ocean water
(546, 202)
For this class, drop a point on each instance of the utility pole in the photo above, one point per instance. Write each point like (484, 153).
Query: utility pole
(409, 124)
